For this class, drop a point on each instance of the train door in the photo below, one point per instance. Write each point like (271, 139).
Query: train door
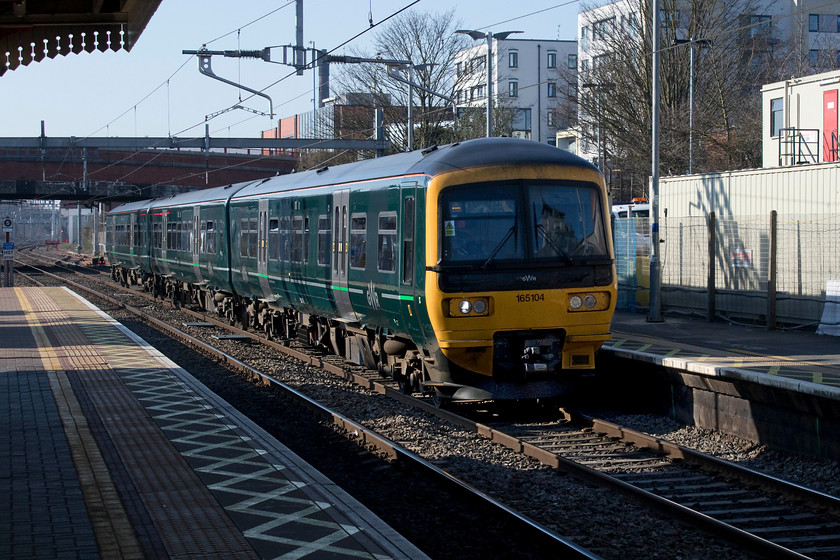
(262, 249)
(409, 260)
(144, 243)
(195, 237)
(132, 254)
(341, 255)
(165, 238)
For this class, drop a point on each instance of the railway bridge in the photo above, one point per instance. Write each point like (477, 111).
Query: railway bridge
(120, 169)
(119, 174)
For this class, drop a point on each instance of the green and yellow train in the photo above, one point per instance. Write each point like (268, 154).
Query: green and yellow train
(476, 271)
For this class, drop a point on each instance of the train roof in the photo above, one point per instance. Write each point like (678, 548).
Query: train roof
(202, 195)
(431, 162)
(186, 198)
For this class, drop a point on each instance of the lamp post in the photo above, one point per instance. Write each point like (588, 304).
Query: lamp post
(655, 305)
(478, 35)
(691, 42)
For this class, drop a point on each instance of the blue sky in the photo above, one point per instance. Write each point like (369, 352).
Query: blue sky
(151, 92)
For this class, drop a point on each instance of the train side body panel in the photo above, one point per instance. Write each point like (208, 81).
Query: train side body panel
(213, 250)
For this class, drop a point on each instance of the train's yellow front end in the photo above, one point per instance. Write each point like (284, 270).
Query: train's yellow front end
(520, 283)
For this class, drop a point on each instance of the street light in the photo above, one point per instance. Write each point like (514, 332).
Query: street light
(478, 35)
(655, 305)
(691, 42)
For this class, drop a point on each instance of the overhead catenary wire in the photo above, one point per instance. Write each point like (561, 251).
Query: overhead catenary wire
(186, 61)
(273, 84)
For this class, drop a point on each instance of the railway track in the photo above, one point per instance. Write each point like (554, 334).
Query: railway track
(777, 518)
(537, 537)
(761, 513)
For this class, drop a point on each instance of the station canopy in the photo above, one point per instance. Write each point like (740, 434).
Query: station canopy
(31, 30)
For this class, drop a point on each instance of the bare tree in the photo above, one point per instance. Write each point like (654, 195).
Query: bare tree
(429, 41)
(736, 50)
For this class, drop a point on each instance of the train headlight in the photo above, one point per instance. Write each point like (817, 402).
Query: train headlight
(480, 306)
(468, 307)
(595, 301)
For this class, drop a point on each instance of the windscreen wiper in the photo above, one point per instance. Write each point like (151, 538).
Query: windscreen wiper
(499, 246)
(557, 249)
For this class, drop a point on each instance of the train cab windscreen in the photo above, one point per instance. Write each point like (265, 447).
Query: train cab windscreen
(510, 223)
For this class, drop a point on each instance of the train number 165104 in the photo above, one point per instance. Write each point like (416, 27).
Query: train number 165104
(525, 298)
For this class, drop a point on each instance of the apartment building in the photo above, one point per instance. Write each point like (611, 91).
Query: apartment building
(535, 79)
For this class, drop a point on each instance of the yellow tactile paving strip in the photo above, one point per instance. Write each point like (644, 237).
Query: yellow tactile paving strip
(185, 515)
(114, 534)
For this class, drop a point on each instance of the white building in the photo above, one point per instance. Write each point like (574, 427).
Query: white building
(799, 120)
(534, 77)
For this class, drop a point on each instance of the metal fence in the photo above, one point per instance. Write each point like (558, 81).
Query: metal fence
(766, 269)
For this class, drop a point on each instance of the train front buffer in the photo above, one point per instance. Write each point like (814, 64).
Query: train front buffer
(521, 336)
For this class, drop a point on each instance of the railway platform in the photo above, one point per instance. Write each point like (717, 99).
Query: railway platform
(797, 360)
(779, 388)
(110, 450)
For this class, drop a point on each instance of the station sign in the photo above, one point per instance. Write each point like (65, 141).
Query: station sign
(8, 251)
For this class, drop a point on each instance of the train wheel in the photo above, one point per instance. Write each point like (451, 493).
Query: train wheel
(404, 382)
(440, 401)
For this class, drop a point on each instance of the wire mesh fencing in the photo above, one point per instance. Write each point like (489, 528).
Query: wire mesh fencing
(764, 269)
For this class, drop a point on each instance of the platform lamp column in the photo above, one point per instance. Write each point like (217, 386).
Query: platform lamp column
(602, 145)
(8, 253)
(478, 35)
(79, 202)
(655, 311)
(691, 42)
(94, 211)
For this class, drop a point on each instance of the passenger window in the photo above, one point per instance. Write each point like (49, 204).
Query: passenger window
(324, 231)
(243, 238)
(358, 241)
(253, 238)
(387, 242)
(285, 241)
(297, 239)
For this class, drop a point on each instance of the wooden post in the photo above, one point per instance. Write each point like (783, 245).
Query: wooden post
(710, 290)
